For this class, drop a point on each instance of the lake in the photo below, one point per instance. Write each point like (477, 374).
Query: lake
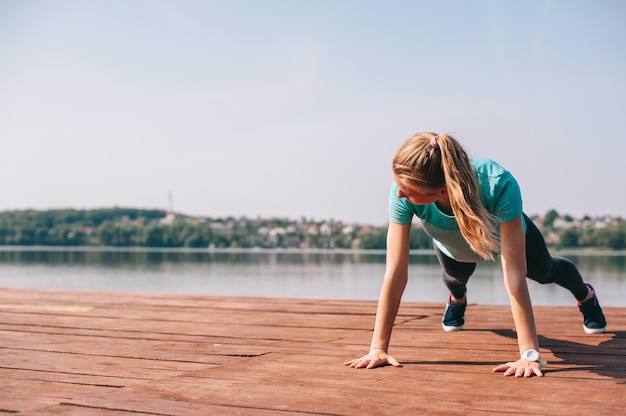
(333, 274)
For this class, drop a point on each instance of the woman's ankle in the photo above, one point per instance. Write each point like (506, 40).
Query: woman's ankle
(462, 300)
(589, 296)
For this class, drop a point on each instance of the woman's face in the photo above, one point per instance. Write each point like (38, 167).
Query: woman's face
(418, 196)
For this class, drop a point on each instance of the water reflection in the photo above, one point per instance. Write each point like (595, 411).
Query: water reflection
(113, 258)
(312, 274)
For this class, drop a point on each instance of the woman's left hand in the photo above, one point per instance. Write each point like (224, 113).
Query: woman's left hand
(520, 368)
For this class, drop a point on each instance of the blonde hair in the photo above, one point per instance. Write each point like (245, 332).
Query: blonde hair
(431, 161)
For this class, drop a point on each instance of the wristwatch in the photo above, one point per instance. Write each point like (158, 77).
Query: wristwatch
(533, 355)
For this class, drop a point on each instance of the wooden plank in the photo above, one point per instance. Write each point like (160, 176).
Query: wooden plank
(318, 334)
(251, 317)
(134, 348)
(164, 301)
(137, 404)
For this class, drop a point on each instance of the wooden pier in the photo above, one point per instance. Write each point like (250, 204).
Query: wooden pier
(94, 353)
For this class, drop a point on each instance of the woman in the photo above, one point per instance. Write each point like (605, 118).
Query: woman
(472, 208)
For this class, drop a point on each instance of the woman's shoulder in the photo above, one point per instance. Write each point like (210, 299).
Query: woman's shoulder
(490, 173)
(500, 191)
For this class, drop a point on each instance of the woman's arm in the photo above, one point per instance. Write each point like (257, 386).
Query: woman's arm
(513, 252)
(396, 276)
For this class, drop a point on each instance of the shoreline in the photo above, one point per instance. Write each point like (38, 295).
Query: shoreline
(140, 249)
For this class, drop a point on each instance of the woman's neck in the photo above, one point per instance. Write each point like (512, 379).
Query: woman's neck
(444, 206)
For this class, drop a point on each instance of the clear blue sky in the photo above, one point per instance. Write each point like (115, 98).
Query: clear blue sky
(294, 108)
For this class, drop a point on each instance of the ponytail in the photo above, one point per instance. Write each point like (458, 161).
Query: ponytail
(431, 161)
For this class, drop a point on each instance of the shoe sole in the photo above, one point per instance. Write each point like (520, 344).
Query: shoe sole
(452, 328)
(593, 330)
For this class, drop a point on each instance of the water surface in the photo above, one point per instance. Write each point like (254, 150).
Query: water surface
(302, 274)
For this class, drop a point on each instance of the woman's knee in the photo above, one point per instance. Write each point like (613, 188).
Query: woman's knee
(541, 273)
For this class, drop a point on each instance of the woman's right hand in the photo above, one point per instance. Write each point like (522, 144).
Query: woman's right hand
(375, 358)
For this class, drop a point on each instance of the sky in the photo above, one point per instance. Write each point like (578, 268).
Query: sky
(294, 108)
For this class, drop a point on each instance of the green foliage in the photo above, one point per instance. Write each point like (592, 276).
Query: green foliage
(376, 239)
(419, 239)
(613, 237)
(570, 238)
(605, 235)
(549, 218)
(127, 227)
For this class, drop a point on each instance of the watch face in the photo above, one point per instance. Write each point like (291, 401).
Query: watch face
(531, 355)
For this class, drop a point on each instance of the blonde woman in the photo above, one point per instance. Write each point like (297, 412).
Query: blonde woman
(472, 209)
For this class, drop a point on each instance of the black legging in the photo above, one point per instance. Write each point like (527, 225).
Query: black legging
(541, 267)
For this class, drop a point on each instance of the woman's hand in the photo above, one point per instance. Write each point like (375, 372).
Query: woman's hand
(375, 358)
(520, 368)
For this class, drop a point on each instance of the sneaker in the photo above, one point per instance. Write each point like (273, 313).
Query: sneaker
(594, 321)
(454, 315)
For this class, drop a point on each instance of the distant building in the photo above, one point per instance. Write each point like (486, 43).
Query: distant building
(168, 219)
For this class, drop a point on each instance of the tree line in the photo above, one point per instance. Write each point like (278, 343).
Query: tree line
(128, 227)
